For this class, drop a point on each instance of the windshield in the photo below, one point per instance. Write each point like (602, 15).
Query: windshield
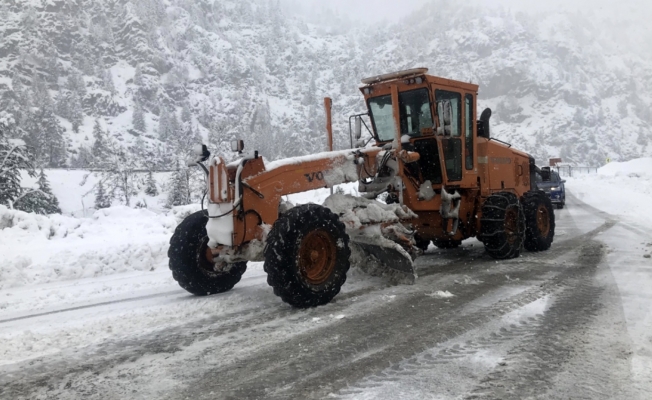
(382, 117)
(415, 114)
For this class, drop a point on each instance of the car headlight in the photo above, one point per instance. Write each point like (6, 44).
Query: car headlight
(554, 189)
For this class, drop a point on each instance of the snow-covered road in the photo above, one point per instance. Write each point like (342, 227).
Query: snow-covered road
(573, 322)
(569, 322)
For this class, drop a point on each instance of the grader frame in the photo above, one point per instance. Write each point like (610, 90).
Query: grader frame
(432, 155)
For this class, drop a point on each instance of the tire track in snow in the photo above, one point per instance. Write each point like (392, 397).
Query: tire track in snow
(531, 367)
(565, 282)
(334, 365)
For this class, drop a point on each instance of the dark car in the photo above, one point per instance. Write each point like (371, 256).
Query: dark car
(554, 187)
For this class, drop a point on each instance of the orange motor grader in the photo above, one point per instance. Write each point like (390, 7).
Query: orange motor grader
(442, 177)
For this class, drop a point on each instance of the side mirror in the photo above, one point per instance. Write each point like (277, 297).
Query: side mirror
(202, 153)
(358, 128)
(237, 145)
(483, 124)
(563, 181)
(545, 174)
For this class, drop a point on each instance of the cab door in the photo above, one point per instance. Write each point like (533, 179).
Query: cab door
(449, 111)
(457, 136)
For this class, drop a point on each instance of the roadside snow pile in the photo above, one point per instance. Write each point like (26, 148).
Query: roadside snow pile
(619, 188)
(638, 168)
(38, 249)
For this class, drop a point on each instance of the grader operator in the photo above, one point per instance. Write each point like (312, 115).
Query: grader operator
(445, 180)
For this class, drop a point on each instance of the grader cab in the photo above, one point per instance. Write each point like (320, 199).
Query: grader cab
(442, 176)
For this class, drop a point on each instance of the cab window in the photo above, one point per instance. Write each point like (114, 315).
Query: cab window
(415, 112)
(456, 109)
(382, 117)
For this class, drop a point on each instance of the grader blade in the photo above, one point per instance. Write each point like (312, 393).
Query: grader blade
(389, 257)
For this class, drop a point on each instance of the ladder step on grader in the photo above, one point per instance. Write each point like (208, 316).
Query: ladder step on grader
(441, 175)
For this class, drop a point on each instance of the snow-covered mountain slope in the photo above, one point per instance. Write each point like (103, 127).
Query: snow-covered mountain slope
(160, 74)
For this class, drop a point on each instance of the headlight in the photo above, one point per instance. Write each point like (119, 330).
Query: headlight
(554, 189)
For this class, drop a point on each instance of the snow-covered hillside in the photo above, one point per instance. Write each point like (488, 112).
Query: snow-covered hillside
(161, 74)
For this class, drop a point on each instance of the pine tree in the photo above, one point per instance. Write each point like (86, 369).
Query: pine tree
(83, 159)
(138, 119)
(100, 150)
(44, 133)
(163, 122)
(108, 82)
(151, 189)
(174, 127)
(138, 76)
(52, 204)
(76, 112)
(39, 201)
(14, 156)
(76, 83)
(179, 194)
(102, 200)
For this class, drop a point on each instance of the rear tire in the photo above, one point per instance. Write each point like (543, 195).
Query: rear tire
(539, 221)
(447, 244)
(307, 256)
(189, 261)
(502, 226)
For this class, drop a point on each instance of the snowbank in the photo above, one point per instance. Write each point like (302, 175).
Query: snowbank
(638, 168)
(37, 249)
(619, 188)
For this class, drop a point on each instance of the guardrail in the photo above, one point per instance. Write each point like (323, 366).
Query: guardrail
(571, 171)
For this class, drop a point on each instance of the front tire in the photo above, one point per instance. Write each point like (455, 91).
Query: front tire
(502, 226)
(307, 256)
(539, 221)
(190, 263)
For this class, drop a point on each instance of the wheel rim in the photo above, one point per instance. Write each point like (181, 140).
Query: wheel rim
(511, 224)
(543, 220)
(317, 256)
(205, 258)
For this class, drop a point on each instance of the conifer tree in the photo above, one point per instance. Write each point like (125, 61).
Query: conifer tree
(151, 189)
(39, 201)
(108, 82)
(100, 149)
(163, 129)
(174, 127)
(179, 194)
(138, 76)
(138, 119)
(76, 112)
(44, 133)
(14, 156)
(102, 200)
